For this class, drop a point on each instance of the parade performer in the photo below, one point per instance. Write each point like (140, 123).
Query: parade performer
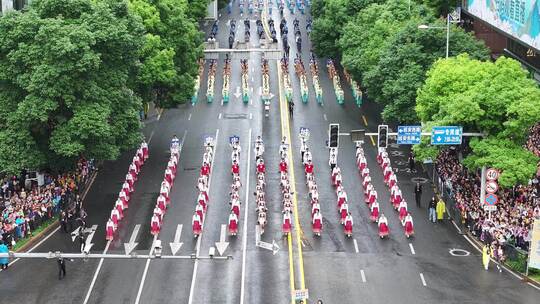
(119, 206)
(124, 198)
(402, 210)
(408, 224)
(115, 217)
(342, 198)
(155, 225)
(395, 196)
(344, 211)
(205, 169)
(392, 180)
(202, 199)
(372, 196)
(348, 227)
(161, 203)
(133, 170)
(317, 223)
(233, 224)
(199, 209)
(109, 230)
(366, 181)
(165, 191)
(169, 176)
(315, 207)
(261, 220)
(130, 180)
(335, 172)
(367, 191)
(144, 147)
(196, 224)
(261, 168)
(283, 166)
(235, 206)
(286, 223)
(338, 180)
(383, 226)
(374, 212)
(308, 168)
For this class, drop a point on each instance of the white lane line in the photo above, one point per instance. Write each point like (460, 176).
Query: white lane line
(145, 272)
(246, 213)
(198, 246)
(423, 280)
(325, 118)
(219, 117)
(355, 246)
(251, 101)
(150, 138)
(363, 275)
(250, 115)
(534, 285)
(189, 117)
(87, 297)
(412, 248)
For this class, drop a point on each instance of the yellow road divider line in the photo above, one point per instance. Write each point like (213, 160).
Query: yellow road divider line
(286, 132)
(365, 120)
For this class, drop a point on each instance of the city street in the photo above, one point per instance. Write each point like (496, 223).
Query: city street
(333, 267)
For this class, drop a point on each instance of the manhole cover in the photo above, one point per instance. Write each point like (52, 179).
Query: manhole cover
(459, 252)
(420, 180)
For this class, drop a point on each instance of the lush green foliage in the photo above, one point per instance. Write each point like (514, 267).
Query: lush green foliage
(497, 99)
(65, 70)
(171, 49)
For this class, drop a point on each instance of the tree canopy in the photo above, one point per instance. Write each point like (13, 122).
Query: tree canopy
(65, 68)
(494, 98)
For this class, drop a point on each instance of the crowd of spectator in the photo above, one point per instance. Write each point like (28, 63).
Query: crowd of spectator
(30, 199)
(512, 223)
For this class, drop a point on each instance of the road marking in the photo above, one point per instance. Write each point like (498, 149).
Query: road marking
(412, 248)
(219, 117)
(150, 138)
(244, 236)
(96, 274)
(363, 275)
(198, 246)
(423, 280)
(286, 131)
(159, 113)
(325, 118)
(365, 120)
(250, 115)
(145, 272)
(372, 140)
(355, 246)
(189, 117)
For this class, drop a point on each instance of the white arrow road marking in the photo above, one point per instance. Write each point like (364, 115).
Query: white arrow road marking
(324, 116)
(88, 243)
(74, 234)
(189, 117)
(128, 247)
(237, 93)
(412, 248)
(423, 280)
(221, 246)
(363, 275)
(219, 117)
(176, 244)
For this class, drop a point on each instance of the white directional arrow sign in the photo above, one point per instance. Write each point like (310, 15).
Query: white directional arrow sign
(128, 247)
(88, 244)
(74, 234)
(175, 246)
(269, 246)
(221, 246)
(237, 93)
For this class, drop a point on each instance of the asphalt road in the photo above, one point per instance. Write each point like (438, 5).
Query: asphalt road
(337, 269)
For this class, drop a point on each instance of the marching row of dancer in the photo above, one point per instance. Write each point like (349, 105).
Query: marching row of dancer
(346, 218)
(260, 187)
(396, 198)
(307, 161)
(122, 203)
(164, 199)
(285, 186)
(202, 186)
(234, 195)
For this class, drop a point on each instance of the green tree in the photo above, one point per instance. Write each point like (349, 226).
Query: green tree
(402, 67)
(197, 9)
(172, 46)
(66, 67)
(442, 7)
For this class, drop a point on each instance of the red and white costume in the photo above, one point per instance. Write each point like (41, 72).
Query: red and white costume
(124, 198)
(169, 176)
(367, 191)
(383, 226)
(115, 217)
(365, 172)
(120, 208)
(165, 187)
(286, 223)
(396, 197)
(283, 166)
(109, 230)
(155, 225)
(235, 207)
(348, 227)
(387, 172)
(159, 214)
(308, 168)
(408, 225)
(144, 147)
(392, 180)
(316, 207)
(317, 223)
(205, 169)
(130, 180)
(200, 211)
(342, 198)
(202, 200)
(235, 169)
(261, 168)
(137, 162)
(374, 212)
(366, 181)
(233, 223)
(335, 172)
(161, 203)
(133, 170)
(343, 211)
(196, 224)
(402, 210)
(372, 196)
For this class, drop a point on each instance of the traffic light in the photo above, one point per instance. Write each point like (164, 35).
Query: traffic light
(382, 139)
(333, 135)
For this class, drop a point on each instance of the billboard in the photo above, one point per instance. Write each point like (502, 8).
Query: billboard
(518, 18)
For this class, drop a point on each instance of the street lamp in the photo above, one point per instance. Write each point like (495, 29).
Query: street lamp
(447, 27)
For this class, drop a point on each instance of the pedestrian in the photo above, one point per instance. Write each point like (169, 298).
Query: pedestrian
(63, 221)
(4, 262)
(441, 209)
(291, 108)
(485, 256)
(418, 194)
(61, 268)
(432, 205)
(82, 239)
(411, 162)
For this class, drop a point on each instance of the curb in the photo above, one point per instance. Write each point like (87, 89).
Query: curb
(38, 237)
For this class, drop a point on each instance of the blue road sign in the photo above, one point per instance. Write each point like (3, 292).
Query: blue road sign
(409, 135)
(234, 139)
(447, 135)
(491, 199)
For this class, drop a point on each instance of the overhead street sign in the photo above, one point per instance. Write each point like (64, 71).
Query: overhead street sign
(492, 174)
(409, 135)
(491, 199)
(491, 186)
(446, 135)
